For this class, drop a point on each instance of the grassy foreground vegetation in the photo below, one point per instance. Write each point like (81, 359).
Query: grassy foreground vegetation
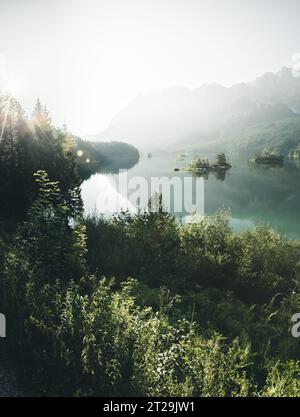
(191, 310)
(140, 304)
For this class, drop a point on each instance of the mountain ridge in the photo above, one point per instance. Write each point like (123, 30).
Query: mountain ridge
(172, 115)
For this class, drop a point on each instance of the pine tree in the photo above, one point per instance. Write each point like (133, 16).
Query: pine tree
(40, 116)
(221, 159)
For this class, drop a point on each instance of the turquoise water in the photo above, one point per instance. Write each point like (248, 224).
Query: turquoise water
(253, 194)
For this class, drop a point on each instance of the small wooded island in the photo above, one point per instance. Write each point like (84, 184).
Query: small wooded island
(200, 166)
(267, 157)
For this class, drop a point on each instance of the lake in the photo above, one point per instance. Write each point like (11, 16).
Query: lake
(253, 194)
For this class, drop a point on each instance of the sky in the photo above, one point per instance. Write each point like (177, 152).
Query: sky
(87, 59)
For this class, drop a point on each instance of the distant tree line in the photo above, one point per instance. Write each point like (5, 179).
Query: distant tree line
(107, 156)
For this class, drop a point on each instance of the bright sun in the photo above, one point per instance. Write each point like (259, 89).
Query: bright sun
(12, 86)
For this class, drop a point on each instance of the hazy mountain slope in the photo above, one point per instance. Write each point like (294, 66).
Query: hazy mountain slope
(283, 134)
(179, 115)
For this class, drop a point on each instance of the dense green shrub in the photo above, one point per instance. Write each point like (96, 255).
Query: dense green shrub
(76, 333)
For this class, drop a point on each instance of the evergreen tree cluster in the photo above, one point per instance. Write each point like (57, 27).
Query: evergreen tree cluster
(25, 147)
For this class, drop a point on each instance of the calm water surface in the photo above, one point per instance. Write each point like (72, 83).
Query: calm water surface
(253, 194)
